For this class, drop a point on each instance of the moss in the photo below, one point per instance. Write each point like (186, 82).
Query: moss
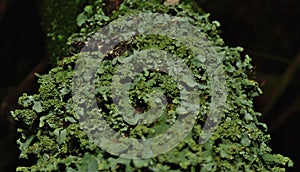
(52, 139)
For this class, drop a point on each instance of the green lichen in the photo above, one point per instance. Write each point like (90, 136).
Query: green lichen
(51, 138)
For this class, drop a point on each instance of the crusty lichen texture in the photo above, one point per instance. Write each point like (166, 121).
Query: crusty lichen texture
(51, 139)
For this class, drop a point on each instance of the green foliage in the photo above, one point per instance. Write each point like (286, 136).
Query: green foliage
(60, 20)
(51, 138)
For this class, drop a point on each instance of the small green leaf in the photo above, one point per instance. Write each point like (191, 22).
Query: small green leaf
(65, 91)
(245, 140)
(37, 106)
(24, 146)
(248, 117)
(60, 135)
(45, 157)
(81, 18)
(88, 9)
(71, 119)
(88, 164)
(189, 80)
(139, 163)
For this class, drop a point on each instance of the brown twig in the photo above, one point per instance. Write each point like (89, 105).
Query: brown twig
(284, 82)
(112, 5)
(269, 56)
(27, 84)
(292, 110)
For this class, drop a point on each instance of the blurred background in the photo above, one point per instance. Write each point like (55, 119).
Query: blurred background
(268, 31)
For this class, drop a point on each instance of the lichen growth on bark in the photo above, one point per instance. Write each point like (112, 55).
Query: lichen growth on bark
(51, 138)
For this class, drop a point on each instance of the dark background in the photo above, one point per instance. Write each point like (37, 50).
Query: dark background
(268, 30)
